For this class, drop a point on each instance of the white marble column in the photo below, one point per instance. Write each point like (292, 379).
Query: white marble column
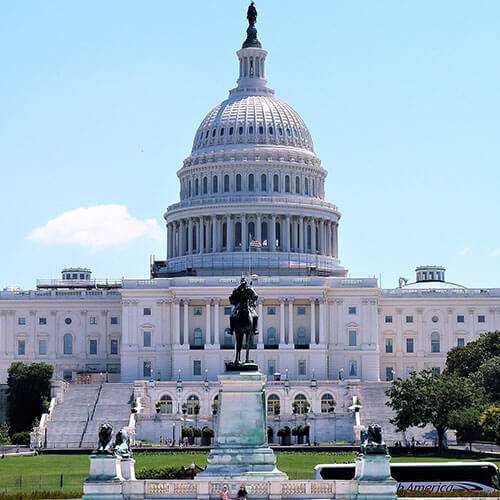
(258, 229)
(209, 339)
(260, 343)
(244, 233)
(294, 235)
(291, 338)
(216, 322)
(199, 246)
(182, 235)
(190, 236)
(313, 236)
(312, 318)
(281, 333)
(302, 235)
(215, 236)
(167, 305)
(286, 234)
(336, 241)
(229, 233)
(322, 237)
(272, 233)
(322, 337)
(185, 340)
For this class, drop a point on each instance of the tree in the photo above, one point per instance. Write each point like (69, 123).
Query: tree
(425, 398)
(28, 393)
(490, 374)
(466, 423)
(4, 434)
(490, 423)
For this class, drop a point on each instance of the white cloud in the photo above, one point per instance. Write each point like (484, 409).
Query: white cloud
(495, 252)
(465, 251)
(95, 227)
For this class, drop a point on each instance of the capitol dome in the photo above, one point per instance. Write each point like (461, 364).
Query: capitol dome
(252, 119)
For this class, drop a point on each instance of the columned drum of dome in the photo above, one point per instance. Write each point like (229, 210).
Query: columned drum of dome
(252, 175)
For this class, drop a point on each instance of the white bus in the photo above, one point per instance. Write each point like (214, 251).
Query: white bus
(435, 477)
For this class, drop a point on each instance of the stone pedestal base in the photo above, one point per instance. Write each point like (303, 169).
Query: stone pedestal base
(241, 452)
(128, 469)
(105, 479)
(373, 475)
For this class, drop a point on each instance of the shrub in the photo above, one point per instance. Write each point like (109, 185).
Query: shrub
(22, 438)
(206, 432)
(187, 432)
(158, 473)
(40, 495)
(196, 432)
(284, 431)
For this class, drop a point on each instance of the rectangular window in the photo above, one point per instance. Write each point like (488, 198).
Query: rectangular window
(388, 345)
(197, 311)
(114, 346)
(42, 347)
(436, 370)
(93, 320)
(409, 369)
(410, 345)
(196, 367)
(42, 321)
(352, 338)
(389, 374)
(409, 319)
(388, 319)
(21, 321)
(352, 310)
(146, 339)
(146, 369)
(114, 320)
(353, 368)
(460, 342)
(68, 375)
(301, 310)
(21, 347)
(93, 346)
(271, 311)
(147, 311)
(460, 318)
(481, 318)
(271, 366)
(302, 367)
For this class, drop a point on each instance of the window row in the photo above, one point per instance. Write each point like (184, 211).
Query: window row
(435, 343)
(390, 373)
(309, 186)
(67, 344)
(481, 318)
(113, 320)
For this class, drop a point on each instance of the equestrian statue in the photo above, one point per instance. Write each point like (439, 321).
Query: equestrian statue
(243, 321)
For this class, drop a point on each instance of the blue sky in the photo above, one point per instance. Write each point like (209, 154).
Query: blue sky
(99, 103)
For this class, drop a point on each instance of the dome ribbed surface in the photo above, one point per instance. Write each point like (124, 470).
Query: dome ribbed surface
(253, 119)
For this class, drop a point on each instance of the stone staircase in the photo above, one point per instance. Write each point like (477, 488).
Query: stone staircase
(67, 422)
(373, 399)
(68, 426)
(113, 407)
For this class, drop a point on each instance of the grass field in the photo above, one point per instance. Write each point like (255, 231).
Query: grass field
(43, 472)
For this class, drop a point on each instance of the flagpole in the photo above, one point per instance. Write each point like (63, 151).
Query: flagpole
(249, 255)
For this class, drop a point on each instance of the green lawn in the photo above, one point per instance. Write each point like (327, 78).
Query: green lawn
(44, 471)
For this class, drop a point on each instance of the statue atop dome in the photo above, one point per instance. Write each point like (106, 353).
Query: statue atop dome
(251, 40)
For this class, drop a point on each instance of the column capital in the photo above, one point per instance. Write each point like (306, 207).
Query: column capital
(216, 301)
(291, 300)
(177, 300)
(208, 300)
(312, 300)
(420, 311)
(282, 300)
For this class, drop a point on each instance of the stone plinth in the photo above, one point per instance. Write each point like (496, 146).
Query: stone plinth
(373, 475)
(105, 479)
(241, 450)
(128, 468)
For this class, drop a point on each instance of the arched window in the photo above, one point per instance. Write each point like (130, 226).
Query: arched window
(222, 131)
(276, 183)
(189, 187)
(301, 336)
(197, 337)
(309, 241)
(263, 182)
(238, 182)
(287, 183)
(271, 336)
(205, 185)
(327, 403)
(193, 405)
(251, 182)
(435, 342)
(264, 234)
(68, 343)
(278, 234)
(196, 187)
(250, 129)
(226, 183)
(166, 404)
(306, 186)
(251, 229)
(313, 188)
(300, 404)
(224, 235)
(215, 184)
(195, 246)
(273, 405)
(231, 130)
(237, 234)
(297, 184)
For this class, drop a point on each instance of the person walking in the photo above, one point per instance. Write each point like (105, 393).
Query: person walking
(242, 492)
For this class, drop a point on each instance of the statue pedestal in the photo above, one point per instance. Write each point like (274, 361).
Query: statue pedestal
(105, 479)
(373, 475)
(241, 451)
(128, 469)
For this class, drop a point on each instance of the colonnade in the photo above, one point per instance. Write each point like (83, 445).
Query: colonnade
(232, 233)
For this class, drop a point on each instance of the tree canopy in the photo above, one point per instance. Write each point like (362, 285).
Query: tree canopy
(437, 399)
(28, 393)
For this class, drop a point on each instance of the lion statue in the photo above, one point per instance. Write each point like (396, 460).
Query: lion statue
(122, 443)
(372, 440)
(105, 444)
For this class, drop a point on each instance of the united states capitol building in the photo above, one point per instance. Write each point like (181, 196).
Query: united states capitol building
(252, 201)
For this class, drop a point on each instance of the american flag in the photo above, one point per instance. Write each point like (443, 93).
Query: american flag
(255, 243)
